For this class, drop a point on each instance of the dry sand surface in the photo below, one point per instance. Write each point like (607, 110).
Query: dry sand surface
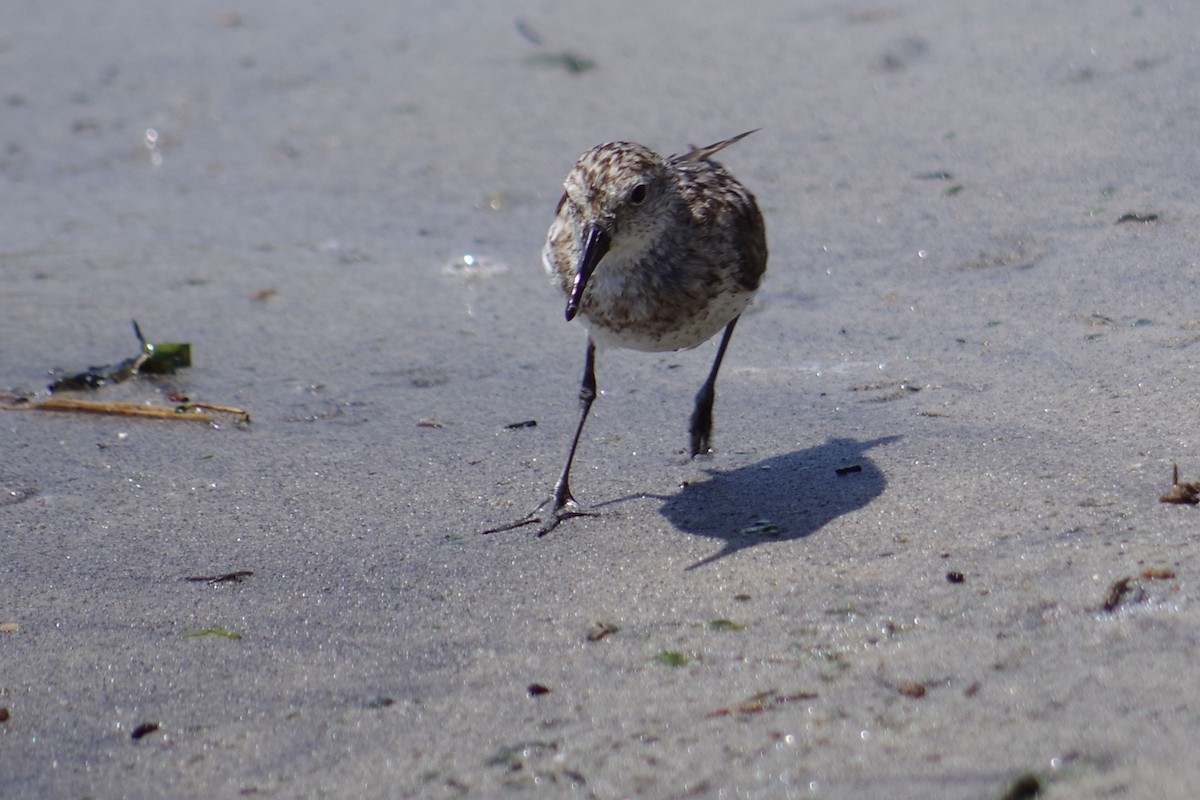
(927, 559)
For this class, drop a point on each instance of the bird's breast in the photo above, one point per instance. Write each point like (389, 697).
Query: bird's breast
(659, 305)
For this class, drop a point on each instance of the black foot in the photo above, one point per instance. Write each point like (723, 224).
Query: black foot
(702, 416)
(701, 429)
(548, 521)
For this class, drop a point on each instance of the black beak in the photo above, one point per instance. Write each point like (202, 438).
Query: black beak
(595, 245)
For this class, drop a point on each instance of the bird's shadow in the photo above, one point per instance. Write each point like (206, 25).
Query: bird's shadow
(786, 497)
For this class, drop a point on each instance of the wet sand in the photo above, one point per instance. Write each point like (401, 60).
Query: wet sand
(941, 434)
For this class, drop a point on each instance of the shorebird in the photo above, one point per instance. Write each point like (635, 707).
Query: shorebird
(653, 254)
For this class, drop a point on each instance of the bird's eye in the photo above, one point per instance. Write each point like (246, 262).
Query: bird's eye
(638, 194)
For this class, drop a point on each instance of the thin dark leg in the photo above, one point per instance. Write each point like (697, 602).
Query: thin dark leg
(587, 393)
(563, 505)
(701, 426)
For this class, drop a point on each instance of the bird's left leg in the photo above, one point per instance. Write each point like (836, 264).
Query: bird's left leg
(701, 427)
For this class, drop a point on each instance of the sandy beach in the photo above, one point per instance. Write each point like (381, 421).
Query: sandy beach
(927, 559)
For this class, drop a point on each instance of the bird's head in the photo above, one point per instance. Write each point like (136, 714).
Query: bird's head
(616, 194)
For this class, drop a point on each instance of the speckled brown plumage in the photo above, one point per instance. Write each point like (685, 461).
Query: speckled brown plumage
(681, 263)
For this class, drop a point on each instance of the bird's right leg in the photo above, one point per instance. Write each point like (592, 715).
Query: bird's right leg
(587, 394)
(563, 504)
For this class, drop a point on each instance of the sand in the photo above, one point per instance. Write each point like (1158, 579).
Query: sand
(941, 434)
